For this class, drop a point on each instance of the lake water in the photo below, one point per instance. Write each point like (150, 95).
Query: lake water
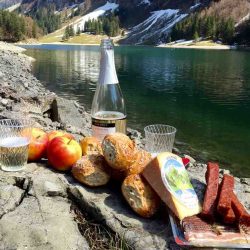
(204, 94)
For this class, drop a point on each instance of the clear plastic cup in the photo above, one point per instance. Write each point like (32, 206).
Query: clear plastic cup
(159, 138)
(15, 137)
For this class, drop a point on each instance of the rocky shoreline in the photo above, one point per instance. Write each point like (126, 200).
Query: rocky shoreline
(36, 204)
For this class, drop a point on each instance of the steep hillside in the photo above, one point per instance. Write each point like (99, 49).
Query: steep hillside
(145, 21)
(160, 19)
(237, 10)
(31, 5)
(4, 4)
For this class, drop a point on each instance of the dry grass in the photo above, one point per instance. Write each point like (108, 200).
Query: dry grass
(98, 236)
(81, 39)
(205, 43)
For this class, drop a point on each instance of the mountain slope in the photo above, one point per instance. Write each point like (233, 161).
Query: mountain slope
(155, 28)
(146, 21)
(5, 4)
(107, 7)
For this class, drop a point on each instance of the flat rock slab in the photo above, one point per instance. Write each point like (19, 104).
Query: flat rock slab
(36, 211)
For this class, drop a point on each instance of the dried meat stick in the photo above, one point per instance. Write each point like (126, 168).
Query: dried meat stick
(229, 217)
(226, 191)
(237, 207)
(212, 179)
(244, 222)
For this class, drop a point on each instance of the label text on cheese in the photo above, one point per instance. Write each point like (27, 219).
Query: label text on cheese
(176, 180)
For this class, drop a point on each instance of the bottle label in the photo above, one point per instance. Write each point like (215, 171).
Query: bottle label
(101, 132)
(101, 128)
(176, 180)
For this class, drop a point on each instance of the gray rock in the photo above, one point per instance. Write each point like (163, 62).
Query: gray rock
(53, 189)
(4, 101)
(43, 223)
(65, 112)
(109, 207)
(37, 221)
(26, 84)
(10, 197)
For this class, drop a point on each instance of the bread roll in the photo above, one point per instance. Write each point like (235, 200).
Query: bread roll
(91, 170)
(142, 159)
(90, 145)
(140, 196)
(119, 151)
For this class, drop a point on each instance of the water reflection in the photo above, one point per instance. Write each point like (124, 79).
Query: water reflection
(205, 94)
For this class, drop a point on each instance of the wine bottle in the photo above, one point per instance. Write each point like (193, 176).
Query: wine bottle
(108, 109)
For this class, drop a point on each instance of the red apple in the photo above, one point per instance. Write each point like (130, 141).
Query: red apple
(63, 152)
(56, 133)
(38, 144)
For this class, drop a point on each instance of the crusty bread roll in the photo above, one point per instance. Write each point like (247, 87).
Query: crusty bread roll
(91, 170)
(119, 151)
(90, 145)
(140, 196)
(142, 159)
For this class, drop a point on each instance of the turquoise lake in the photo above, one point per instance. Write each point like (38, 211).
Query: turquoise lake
(205, 94)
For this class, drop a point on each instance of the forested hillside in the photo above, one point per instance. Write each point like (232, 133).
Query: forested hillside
(14, 28)
(46, 18)
(143, 21)
(222, 20)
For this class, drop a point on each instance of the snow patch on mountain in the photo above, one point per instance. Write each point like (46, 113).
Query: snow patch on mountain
(94, 15)
(5, 4)
(242, 20)
(144, 2)
(156, 27)
(195, 6)
(13, 7)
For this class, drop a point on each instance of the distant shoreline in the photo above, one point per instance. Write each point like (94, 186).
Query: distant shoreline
(213, 47)
(219, 47)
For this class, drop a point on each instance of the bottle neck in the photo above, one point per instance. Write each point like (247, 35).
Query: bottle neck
(107, 67)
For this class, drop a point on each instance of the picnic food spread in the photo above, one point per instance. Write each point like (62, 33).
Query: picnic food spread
(144, 180)
(223, 217)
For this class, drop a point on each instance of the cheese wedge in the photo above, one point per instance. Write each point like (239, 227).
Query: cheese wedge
(169, 178)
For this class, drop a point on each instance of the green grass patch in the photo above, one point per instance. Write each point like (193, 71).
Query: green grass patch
(81, 39)
(205, 43)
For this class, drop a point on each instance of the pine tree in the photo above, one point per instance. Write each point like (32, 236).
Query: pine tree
(34, 31)
(97, 28)
(100, 27)
(78, 31)
(66, 34)
(196, 36)
(228, 31)
(86, 26)
(70, 31)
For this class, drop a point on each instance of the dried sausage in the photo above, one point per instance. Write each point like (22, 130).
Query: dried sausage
(229, 217)
(237, 207)
(212, 179)
(226, 191)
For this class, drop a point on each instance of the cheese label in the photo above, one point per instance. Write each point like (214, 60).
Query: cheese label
(176, 180)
